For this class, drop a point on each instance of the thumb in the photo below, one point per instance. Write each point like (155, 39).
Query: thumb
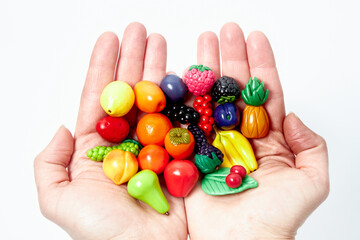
(310, 149)
(50, 165)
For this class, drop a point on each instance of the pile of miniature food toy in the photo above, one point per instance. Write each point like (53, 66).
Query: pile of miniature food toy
(162, 148)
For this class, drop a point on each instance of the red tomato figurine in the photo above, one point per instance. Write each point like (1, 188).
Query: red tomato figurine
(113, 129)
(153, 157)
(180, 177)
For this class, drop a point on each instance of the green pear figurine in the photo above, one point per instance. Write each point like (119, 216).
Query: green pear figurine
(145, 187)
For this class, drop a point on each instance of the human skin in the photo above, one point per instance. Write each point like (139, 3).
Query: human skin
(293, 164)
(82, 200)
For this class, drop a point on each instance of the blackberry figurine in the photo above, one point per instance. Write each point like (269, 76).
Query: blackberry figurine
(180, 112)
(225, 90)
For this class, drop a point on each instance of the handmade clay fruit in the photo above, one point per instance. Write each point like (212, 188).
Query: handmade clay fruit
(145, 187)
(225, 90)
(255, 122)
(174, 88)
(113, 129)
(153, 157)
(227, 116)
(152, 129)
(120, 166)
(179, 143)
(117, 98)
(180, 177)
(149, 97)
(199, 79)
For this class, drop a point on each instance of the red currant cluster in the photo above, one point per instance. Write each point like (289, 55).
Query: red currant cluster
(203, 106)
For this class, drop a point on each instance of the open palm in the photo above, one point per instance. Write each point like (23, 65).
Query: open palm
(83, 200)
(292, 173)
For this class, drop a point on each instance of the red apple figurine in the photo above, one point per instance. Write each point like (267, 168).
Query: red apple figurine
(113, 129)
(180, 177)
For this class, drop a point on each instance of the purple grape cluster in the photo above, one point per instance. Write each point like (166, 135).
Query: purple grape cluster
(202, 147)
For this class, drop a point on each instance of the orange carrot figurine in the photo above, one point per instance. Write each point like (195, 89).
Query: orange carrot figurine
(255, 120)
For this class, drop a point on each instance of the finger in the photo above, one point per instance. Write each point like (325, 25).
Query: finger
(100, 73)
(208, 52)
(155, 58)
(262, 65)
(233, 54)
(310, 149)
(50, 165)
(132, 51)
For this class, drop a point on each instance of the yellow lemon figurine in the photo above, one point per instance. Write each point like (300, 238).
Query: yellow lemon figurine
(117, 98)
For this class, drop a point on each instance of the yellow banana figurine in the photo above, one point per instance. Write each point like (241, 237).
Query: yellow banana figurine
(236, 148)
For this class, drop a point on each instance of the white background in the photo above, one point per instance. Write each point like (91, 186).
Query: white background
(45, 48)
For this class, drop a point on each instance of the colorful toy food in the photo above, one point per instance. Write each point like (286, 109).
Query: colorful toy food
(233, 180)
(180, 177)
(207, 158)
(236, 149)
(117, 98)
(215, 183)
(120, 166)
(153, 157)
(203, 106)
(225, 90)
(227, 116)
(98, 153)
(145, 187)
(174, 88)
(179, 143)
(238, 169)
(180, 112)
(255, 121)
(149, 97)
(152, 129)
(113, 129)
(199, 79)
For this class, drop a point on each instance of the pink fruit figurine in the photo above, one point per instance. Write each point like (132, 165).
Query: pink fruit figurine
(199, 79)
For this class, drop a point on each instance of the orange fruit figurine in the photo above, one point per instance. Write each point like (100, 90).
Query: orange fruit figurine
(152, 129)
(149, 97)
(179, 143)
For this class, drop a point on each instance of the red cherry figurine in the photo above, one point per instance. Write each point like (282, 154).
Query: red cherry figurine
(238, 169)
(233, 180)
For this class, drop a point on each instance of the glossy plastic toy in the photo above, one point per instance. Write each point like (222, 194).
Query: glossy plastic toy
(145, 187)
(255, 120)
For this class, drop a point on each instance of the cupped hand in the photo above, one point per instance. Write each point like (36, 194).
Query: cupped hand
(293, 162)
(73, 190)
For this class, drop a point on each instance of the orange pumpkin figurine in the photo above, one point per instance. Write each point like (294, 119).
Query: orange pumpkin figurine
(255, 121)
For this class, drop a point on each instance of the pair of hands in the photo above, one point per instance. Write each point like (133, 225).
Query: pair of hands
(293, 164)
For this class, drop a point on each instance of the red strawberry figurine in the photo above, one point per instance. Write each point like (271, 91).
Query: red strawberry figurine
(199, 79)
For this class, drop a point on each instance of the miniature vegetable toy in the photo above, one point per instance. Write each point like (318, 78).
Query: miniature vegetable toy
(120, 166)
(145, 187)
(149, 97)
(199, 79)
(215, 183)
(180, 177)
(117, 98)
(236, 149)
(255, 121)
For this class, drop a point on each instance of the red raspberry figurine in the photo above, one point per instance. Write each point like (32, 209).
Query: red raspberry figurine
(199, 79)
